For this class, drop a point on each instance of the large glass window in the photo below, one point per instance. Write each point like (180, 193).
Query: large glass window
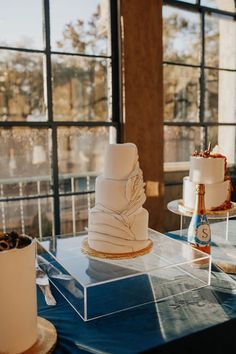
(58, 110)
(199, 43)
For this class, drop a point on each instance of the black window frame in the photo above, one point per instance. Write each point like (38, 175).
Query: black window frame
(203, 10)
(54, 125)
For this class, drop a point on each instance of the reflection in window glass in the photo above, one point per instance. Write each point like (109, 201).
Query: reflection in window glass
(83, 31)
(25, 186)
(180, 143)
(181, 35)
(213, 136)
(25, 171)
(32, 217)
(181, 90)
(74, 212)
(25, 154)
(225, 138)
(220, 103)
(81, 150)
(21, 23)
(81, 88)
(226, 5)
(220, 44)
(70, 183)
(211, 95)
(21, 87)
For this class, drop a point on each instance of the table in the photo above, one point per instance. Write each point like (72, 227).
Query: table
(186, 323)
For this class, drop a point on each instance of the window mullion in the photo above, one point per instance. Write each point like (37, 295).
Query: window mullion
(115, 67)
(49, 103)
(202, 80)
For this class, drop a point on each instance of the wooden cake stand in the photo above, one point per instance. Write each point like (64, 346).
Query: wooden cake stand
(47, 338)
(91, 252)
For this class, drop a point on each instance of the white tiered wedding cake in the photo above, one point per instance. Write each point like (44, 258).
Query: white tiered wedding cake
(118, 224)
(210, 169)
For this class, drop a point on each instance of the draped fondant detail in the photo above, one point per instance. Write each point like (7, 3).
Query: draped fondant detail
(119, 226)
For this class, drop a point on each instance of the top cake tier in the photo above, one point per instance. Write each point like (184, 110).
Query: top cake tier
(120, 161)
(207, 170)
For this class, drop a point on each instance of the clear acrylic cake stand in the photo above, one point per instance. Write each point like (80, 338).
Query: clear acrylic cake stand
(96, 287)
(176, 207)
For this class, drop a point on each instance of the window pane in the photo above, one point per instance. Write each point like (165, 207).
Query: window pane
(220, 43)
(220, 102)
(74, 212)
(180, 143)
(25, 156)
(32, 217)
(181, 36)
(211, 95)
(225, 138)
(181, 90)
(21, 87)
(81, 89)
(80, 26)
(81, 150)
(25, 186)
(70, 183)
(226, 5)
(21, 23)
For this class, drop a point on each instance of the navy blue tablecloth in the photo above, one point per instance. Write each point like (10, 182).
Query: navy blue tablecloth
(185, 323)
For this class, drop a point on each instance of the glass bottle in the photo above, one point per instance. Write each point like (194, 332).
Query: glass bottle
(199, 232)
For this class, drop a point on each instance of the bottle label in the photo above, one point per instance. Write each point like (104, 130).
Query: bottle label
(199, 231)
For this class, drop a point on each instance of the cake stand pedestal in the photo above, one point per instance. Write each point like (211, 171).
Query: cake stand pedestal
(223, 247)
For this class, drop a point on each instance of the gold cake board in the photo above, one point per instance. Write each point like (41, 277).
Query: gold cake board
(47, 338)
(93, 253)
(224, 256)
(189, 211)
(226, 267)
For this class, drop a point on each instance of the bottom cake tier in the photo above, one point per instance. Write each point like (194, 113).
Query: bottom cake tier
(118, 233)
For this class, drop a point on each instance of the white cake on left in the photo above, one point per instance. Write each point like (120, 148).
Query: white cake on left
(18, 316)
(118, 223)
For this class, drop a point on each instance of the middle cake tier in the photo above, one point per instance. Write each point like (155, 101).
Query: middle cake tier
(117, 194)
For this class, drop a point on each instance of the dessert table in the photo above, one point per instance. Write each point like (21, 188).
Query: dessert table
(187, 322)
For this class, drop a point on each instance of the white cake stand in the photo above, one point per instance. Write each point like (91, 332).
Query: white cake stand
(176, 207)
